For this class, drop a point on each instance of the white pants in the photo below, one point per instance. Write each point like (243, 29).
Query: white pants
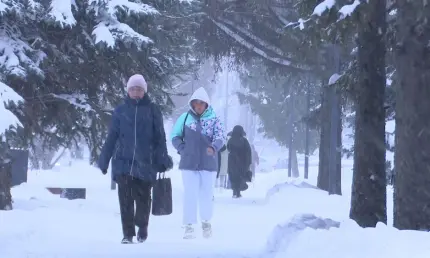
(198, 192)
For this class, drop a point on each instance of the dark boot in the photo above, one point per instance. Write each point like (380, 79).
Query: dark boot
(127, 240)
(236, 193)
(142, 234)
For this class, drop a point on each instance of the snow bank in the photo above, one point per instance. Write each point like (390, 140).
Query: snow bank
(351, 241)
(282, 235)
(80, 175)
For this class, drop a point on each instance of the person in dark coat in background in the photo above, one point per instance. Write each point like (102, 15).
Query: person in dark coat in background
(239, 159)
(136, 143)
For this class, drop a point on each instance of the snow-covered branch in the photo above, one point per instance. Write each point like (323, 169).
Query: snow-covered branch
(109, 29)
(325, 5)
(7, 118)
(257, 50)
(348, 9)
(344, 11)
(258, 40)
(279, 16)
(16, 56)
(110, 32)
(77, 100)
(61, 12)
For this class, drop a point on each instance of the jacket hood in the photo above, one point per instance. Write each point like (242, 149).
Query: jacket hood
(200, 94)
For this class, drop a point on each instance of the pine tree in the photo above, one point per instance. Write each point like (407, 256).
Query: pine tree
(275, 32)
(69, 60)
(368, 199)
(412, 153)
(8, 121)
(76, 56)
(280, 103)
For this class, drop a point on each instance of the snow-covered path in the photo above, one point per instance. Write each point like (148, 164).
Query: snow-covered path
(277, 218)
(49, 227)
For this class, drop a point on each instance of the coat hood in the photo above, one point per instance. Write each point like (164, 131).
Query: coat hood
(200, 94)
(238, 131)
(231, 132)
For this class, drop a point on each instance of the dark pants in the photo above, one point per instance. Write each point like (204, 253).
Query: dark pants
(133, 191)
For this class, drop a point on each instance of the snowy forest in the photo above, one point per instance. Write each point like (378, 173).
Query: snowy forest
(308, 70)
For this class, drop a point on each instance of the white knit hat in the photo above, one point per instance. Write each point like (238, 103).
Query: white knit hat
(137, 80)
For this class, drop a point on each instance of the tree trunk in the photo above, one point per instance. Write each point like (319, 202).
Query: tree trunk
(324, 148)
(308, 109)
(295, 164)
(5, 178)
(368, 199)
(338, 176)
(324, 182)
(412, 150)
(47, 156)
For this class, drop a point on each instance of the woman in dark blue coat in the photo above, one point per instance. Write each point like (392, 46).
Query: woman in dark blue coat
(136, 143)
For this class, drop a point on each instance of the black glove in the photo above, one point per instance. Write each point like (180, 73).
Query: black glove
(104, 171)
(168, 163)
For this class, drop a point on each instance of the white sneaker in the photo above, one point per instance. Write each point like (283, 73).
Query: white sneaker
(207, 229)
(189, 232)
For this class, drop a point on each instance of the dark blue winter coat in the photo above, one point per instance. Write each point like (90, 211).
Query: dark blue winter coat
(136, 141)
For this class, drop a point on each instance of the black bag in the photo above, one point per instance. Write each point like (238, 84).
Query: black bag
(162, 203)
(248, 176)
(243, 186)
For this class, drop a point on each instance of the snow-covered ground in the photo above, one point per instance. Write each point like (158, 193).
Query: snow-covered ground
(277, 217)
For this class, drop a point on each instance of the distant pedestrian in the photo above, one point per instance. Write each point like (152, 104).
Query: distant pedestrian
(198, 135)
(136, 142)
(239, 160)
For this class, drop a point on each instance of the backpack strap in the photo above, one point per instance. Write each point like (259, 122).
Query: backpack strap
(183, 126)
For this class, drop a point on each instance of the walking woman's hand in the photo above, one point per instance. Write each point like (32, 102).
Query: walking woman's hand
(104, 171)
(168, 164)
(210, 151)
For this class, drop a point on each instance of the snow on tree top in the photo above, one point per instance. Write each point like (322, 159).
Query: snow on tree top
(109, 29)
